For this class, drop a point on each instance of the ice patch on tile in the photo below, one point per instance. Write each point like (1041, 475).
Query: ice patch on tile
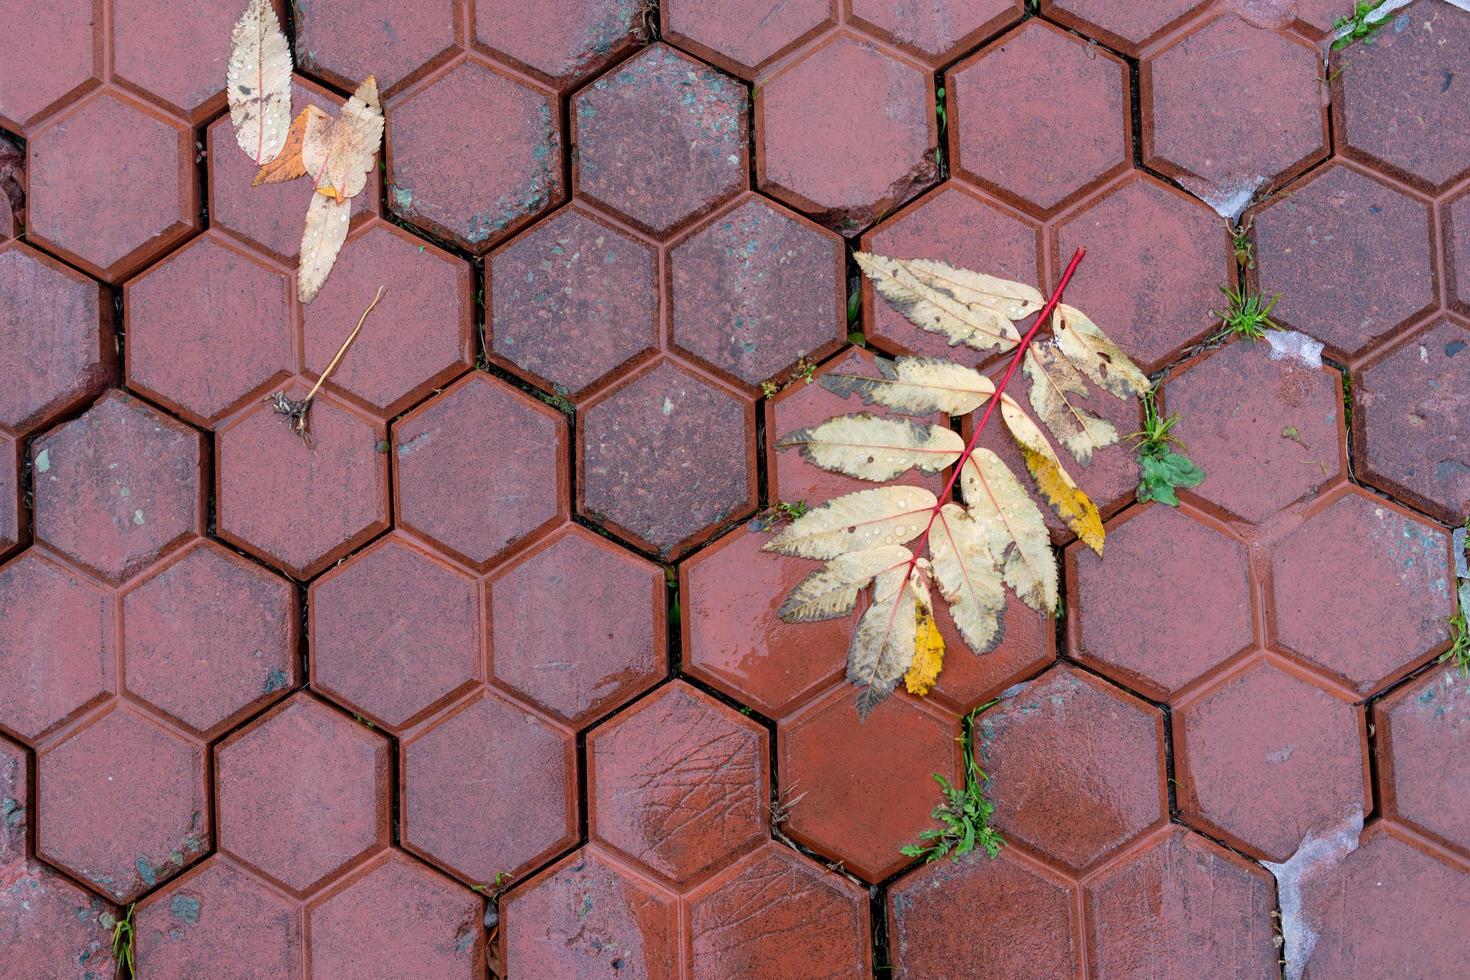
(1315, 856)
(1295, 346)
(1229, 199)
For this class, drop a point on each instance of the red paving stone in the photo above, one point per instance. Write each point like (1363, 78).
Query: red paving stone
(347, 41)
(156, 52)
(936, 32)
(1125, 26)
(562, 43)
(58, 56)
(969, 680)
(741, 38)
(1420, 728)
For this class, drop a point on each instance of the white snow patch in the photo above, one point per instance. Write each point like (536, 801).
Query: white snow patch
(1315, 856)
(1296, 346)
(1229, 199)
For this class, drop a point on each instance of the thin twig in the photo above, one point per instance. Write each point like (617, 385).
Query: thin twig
(296, 411)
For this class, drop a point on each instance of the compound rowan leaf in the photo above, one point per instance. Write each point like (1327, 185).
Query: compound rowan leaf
(321, 240)
(288, 165)
(883, 644)
(1088, 348)
(873, 448)
(917, 386)
(928, 651)
(1057, 394)
(258, 82)
(967, 577)
(832, 590)
(1012, 300)
(856, 521)
(932, 306)
(341, 153)
(1012, 527)
(1055, 483)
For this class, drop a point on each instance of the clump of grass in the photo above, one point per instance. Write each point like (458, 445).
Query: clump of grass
(1246, 314)
(781, 512)
(1356, 26)
(1459, 651)
(964, 815)
(1161, 468)
(122, 939)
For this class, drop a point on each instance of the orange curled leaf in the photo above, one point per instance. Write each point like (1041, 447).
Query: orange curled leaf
(288, 165)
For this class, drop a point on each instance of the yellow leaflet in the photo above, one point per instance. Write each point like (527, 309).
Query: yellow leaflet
(928, 653)
(1072, 505)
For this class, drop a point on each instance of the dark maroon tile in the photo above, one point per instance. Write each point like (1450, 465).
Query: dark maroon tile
(489, 790)
(270, 216)
(302, 793)
(577, 626)
(122, 803)
(666, 457)
(218, 921)
(506, 165)
(1076, 767)
(590, 916)
(1125, 26)
(1229, 150)
(955, 225)
(776, 914)
(301, 507)
(1311, 248)
(981, 917)
(846, 134)
(742, 37)
(866, 788)
(480, 468)
(210, 638)
(158, 52)
(420, 335)
(206, 327)
(12, 519)
(1420, 771)
(756, 288)
(111, 219)
(562, 43)
(728, 595)
(118, 487)
(347, 40)
(1168, 603)
(1401, 101)
(1154, 297)
(1265, 758)
(1039, 116)
(51, 51)
(1455, 221)
(1184, 902)
(661, 139)
(394, 631)
(1266, 432)
(1400, 572)
(937, 32)
(415, 916)
(54, 370)
(569, 300)
(1411, 419)
(679, 783)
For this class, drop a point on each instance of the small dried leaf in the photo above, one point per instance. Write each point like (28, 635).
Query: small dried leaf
(968, 578)
(877, 449)
(258, 83)
(1013, 529)
(1055, 389)
(1055, 484)
(1086, 346)
(340, 155)
(326, 230)
(928, 652)
(287, 165)
(883, 643)
(936, 309)
(832, 590)
(917, 386)
(857, 521)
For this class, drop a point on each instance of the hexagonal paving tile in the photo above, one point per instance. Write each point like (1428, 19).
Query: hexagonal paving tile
(562, 43)
(1028, 644)
(1183, 901)
(661, 139)
(1125, 26)
(217, 916)
(679, 782)
(71, 166)
(1154, 297)
(302, 793)
(868, 788)
(589, 916)
(1227, 151)
(1266, 432)
(480, 468)
(956, 225)
(997, 136)
(1456, 225)
(11, 516)
(210, 638)
(57, 645)
(810, 923)
(157, 51)
(1265, 758)
(1015, 917)
(937, 32)
(1304, 239)
(756, 288)
(52, 51)
(743, 37)
(489, 789)
(122, 803)
(1419, 727)
(269, 216)
(1076, 766)
(846, 134)
(268, 482)
(347, 40)
(416, 915)
(1401, 575)
(570, 300)
(58, 360)
(1171, 602)
(426, 319)
(506, 168)
(118, 487)
(666, 457)
(578, 626)
(206, 327)
(1413, 411)
(1400, 95)
(728, 595)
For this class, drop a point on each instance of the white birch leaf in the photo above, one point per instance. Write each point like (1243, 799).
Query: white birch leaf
(873, 448)
(1013, 529)
(917, 386)
(258, 82)
(856, 521)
